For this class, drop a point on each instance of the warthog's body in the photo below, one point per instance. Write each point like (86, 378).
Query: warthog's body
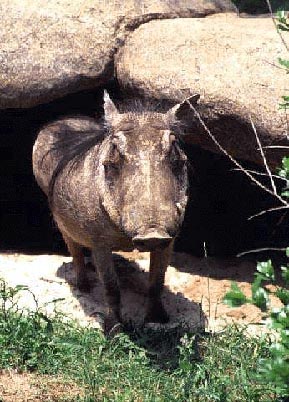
(115, 187)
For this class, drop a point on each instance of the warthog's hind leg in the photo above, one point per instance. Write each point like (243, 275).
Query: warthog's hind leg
(102, 259)
(159, 261)
(82, 281)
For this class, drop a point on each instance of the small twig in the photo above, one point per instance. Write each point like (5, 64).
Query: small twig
(268, 210)
(222, 149)
(208, 282)
(264, 157)
(51, 280)
(277, 146)
(262, 174)
(259, 250)
(276, 26)
(274, 65)
(216, 308)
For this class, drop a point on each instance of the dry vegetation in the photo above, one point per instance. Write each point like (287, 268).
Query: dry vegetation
(29, 387)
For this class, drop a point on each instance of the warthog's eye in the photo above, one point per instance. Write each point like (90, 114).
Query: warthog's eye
(113, 160)
(177, 158)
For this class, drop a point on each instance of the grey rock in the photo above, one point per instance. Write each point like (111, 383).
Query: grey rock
(50, 49)
(231, 62)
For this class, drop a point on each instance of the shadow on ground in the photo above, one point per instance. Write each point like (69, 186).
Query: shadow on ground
(133, 279)
(193, 294)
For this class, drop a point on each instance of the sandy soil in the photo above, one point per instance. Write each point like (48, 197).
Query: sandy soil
(25, 387)
(192, 296)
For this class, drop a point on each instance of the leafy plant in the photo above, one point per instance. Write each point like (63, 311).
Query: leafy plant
(143, 365)
(284, 173)
(24, 334)
(274, 369)
(283, 25)
(283, 22)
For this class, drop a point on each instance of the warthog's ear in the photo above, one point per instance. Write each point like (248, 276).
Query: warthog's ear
(180, 110)
(110, 111)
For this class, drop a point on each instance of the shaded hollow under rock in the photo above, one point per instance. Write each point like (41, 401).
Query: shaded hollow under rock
(221, 199)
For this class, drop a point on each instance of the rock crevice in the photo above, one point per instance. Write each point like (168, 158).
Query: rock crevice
(49, 50)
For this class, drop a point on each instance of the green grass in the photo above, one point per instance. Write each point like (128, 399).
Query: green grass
(143, 365)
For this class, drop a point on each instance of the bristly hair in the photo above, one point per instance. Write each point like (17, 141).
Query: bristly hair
(140, 106)
(135, 108)
(73, 148)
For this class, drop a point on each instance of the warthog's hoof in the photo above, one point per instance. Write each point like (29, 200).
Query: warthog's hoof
(157, 314)
(99, 320)
(112, 326)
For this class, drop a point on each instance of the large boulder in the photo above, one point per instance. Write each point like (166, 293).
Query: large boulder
(230, 61)
(53, 48)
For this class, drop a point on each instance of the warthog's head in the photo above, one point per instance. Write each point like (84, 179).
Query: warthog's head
(145, 175)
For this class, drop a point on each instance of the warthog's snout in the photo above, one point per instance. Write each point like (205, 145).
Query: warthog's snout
(152, 240)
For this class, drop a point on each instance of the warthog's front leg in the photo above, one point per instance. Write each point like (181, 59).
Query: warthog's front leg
(159, 261)
(102, 259)
(82, 281)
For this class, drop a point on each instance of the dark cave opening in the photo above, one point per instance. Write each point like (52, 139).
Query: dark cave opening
(221, 198)
(25, 221)
(222, 201)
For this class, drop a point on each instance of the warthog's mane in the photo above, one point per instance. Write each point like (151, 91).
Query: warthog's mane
(73, 148)
(145, 109)
(141, 106)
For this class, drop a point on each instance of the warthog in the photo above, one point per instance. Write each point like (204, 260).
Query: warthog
(119, 185)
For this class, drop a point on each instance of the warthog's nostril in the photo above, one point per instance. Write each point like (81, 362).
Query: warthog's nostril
(152, 241)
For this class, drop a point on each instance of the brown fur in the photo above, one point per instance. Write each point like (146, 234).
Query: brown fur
(124, 189)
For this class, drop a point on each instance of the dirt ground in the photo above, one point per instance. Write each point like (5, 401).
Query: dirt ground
(15, 387)
(192, 296)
